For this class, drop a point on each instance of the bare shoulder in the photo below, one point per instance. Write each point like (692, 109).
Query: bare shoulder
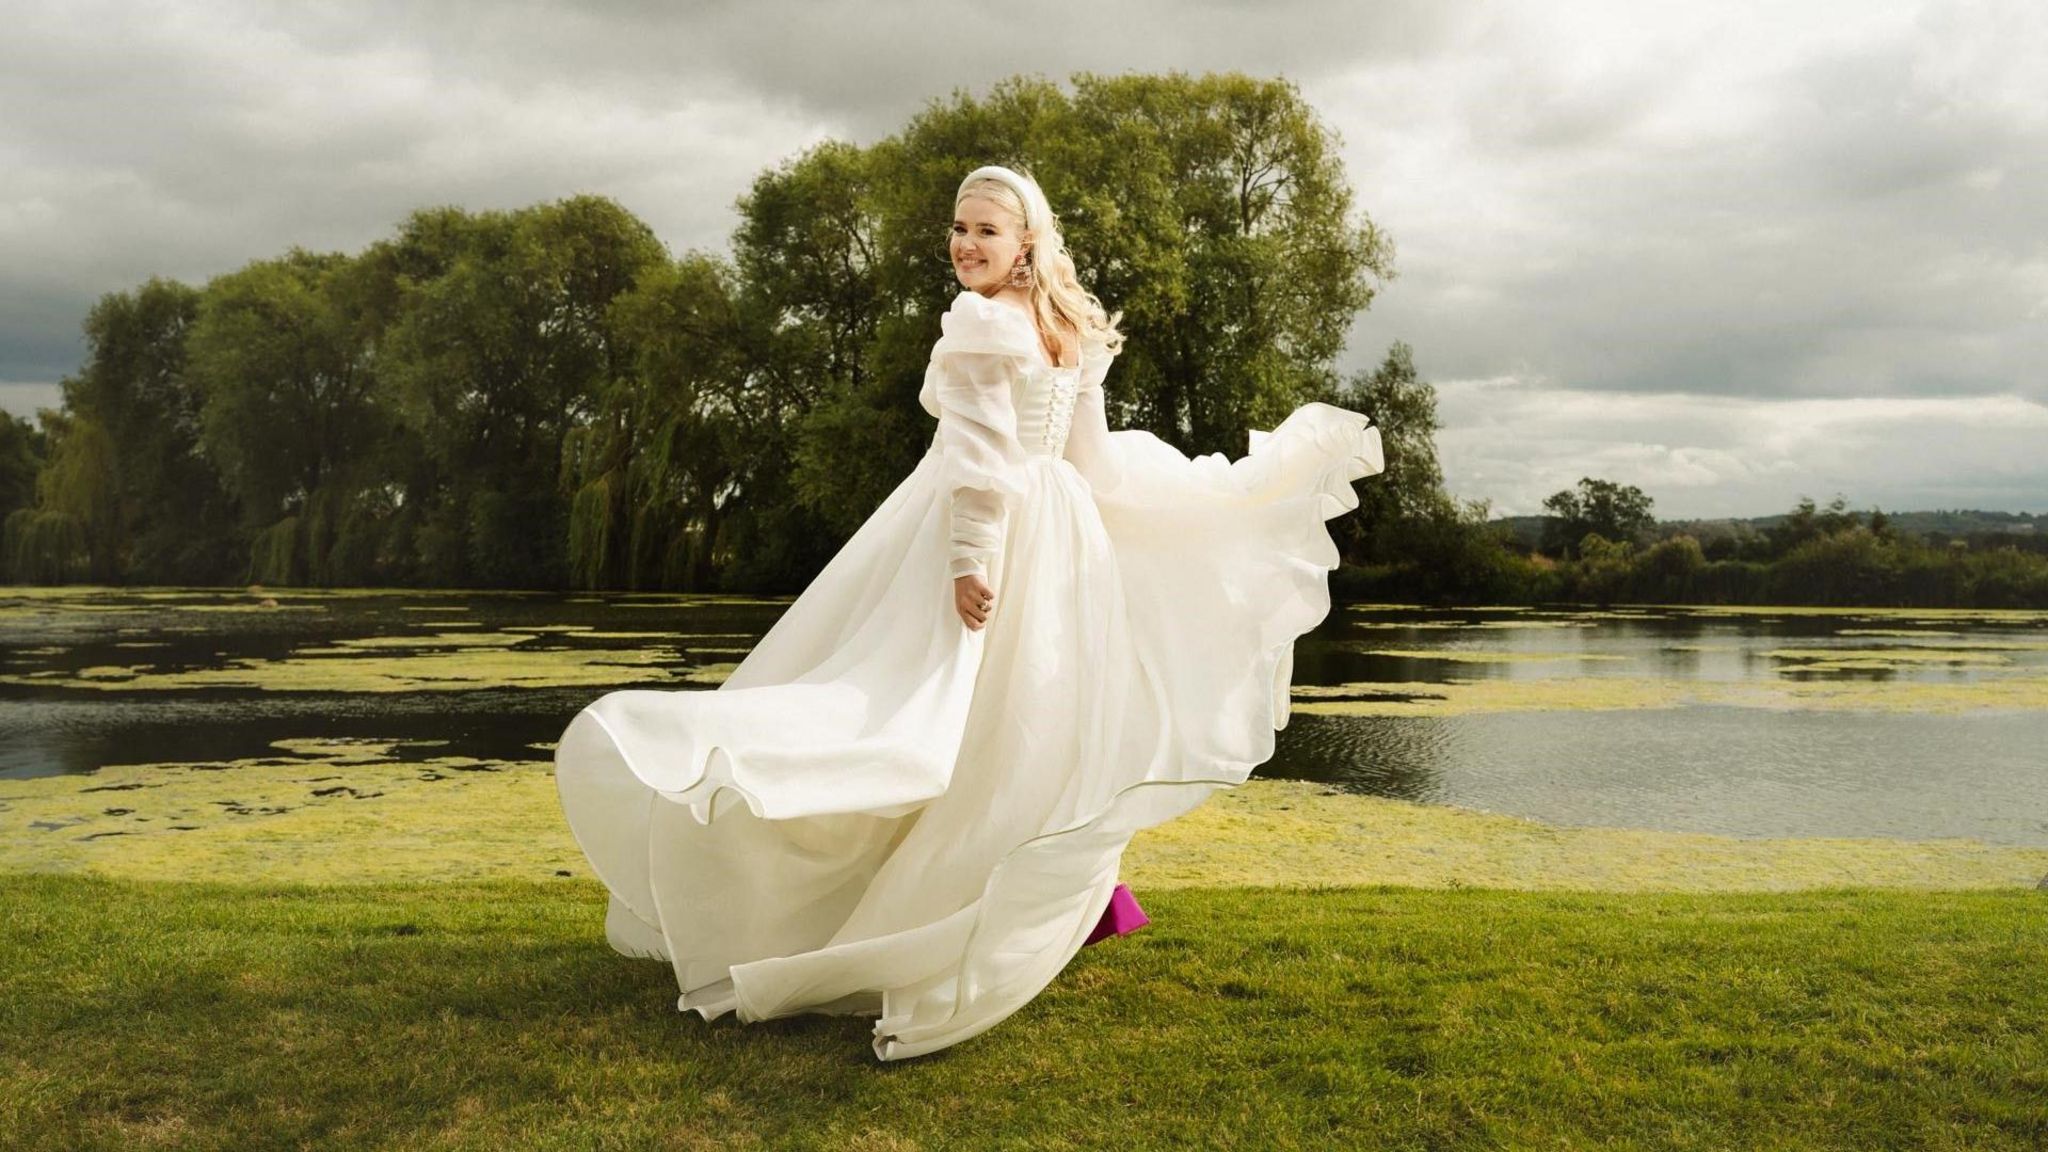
(1064, 344)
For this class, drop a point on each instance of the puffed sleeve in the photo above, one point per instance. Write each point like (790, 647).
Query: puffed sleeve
(967, 385)
(1090, 448)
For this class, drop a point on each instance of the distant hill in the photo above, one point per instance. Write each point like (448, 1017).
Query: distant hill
(1527, 531)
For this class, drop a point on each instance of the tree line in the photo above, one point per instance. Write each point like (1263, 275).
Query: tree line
(1601, 543)
(546, 398)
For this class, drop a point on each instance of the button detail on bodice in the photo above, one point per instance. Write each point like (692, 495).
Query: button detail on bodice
(1059, 411)
(1045, 409)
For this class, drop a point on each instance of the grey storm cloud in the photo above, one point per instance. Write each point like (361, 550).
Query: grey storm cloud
(1725, 219)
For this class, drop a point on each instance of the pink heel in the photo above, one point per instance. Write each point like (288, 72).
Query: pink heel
(1122, 917)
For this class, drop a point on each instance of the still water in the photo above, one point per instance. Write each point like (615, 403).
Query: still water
(1772, 722)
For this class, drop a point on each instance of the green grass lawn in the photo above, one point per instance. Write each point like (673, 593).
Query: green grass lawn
(490, 1014)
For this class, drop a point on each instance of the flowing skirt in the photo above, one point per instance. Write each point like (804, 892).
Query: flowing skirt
(884, 813)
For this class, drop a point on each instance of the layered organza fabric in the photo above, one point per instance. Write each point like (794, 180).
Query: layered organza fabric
(885, 813)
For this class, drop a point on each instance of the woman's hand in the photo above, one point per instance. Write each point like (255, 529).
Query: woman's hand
(973, 600)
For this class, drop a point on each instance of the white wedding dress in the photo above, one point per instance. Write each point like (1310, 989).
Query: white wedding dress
(883, 812)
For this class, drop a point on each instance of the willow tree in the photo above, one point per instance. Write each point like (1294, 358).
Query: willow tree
(126, 491)
(22, 447)
(491, 364)
(653, 473)
(285, 358)
(73, 531)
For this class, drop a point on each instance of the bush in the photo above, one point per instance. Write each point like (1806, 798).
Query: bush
(2004, 578)
(1732, 582)
(1604, 569)
(1668, 570)
(1849, 567)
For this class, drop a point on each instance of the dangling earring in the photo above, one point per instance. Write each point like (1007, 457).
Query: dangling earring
(1020, 274)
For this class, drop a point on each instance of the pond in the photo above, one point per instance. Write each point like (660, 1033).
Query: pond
(1910, 724)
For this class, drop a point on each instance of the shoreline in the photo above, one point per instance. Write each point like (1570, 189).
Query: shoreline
(345, 813)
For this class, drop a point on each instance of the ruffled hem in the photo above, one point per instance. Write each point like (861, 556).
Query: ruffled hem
(1195, 537)
(1352, 446)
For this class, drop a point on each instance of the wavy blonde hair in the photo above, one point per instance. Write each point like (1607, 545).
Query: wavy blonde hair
(1058, 300)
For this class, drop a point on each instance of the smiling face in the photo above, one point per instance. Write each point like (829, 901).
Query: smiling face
(986, 243)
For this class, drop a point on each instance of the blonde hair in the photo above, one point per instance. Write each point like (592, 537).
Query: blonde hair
(1058, 301)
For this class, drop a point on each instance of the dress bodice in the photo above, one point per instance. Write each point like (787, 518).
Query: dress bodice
(1044, 399)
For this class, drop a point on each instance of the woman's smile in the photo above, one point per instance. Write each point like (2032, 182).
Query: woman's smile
(984, 244)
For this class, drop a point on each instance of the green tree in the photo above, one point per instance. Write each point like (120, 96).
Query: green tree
(678, 446)
(492, 363)
(1603, 569)
(1618, 513)
(1410, 491)
(23, 446)
(1850, 566)
(1211, 211)
(285, 357)
(1214, 211)
(75, 529)
(1668, 570)
(834, 427)
(125, 490)
(541, 396)
(1808, 522)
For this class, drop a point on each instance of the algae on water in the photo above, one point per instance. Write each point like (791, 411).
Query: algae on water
(328, 811)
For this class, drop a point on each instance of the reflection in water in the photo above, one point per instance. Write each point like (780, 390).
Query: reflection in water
(1930, 763)
(50, 737)
(1731, 771)
(51, 722)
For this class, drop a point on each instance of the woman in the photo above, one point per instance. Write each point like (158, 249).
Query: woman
(910, 800)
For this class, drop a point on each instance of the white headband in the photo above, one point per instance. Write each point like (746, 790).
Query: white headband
(1045, 241)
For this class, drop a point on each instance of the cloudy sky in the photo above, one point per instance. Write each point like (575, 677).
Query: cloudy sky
(1732, 253)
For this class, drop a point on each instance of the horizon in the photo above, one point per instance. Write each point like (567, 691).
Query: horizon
(1865, 511)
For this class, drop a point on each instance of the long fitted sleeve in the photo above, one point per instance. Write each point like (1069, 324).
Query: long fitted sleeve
(978, 433)
(968, 386)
